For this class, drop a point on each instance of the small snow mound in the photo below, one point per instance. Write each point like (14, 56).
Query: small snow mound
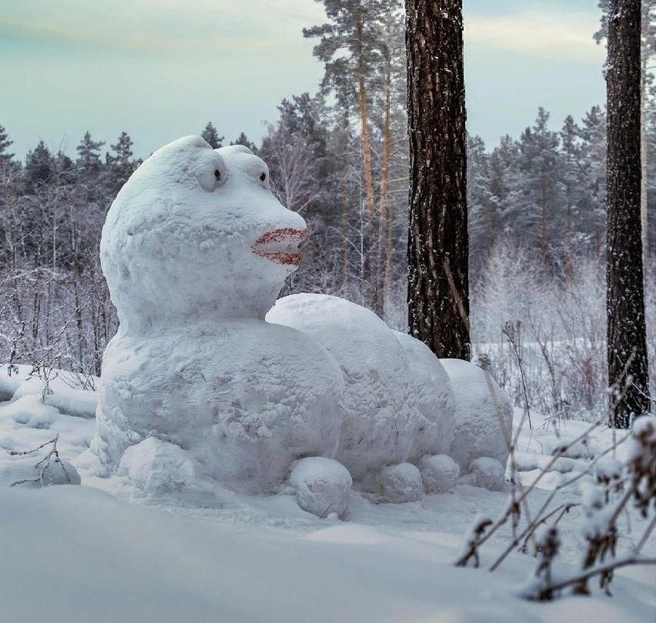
(322, 486)
(439, 473)
(487, 473)
(156, 466)
(401, 483)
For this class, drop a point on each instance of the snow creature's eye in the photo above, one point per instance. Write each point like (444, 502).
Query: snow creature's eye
(262, 176)
(211, 174)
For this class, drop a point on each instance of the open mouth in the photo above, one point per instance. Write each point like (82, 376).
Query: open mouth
(281, 246)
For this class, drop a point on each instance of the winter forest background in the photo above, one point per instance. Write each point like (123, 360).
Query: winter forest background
(340, 158)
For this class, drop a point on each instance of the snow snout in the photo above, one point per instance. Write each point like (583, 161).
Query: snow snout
(281, 246)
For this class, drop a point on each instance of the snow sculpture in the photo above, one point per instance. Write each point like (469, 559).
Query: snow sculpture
(197, 385)
(195, 250)
(483, 415)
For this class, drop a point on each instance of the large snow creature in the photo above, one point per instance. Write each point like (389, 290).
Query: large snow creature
(195, 250)
(197, 385)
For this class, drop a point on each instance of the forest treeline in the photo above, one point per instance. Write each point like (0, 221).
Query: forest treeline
(338, 157)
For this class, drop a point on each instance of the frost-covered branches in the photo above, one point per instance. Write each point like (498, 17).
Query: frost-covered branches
(608, 487)
(51, 461)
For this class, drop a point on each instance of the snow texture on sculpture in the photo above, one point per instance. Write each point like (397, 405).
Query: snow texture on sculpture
(432, 389)
(381, 415)
(483, 420)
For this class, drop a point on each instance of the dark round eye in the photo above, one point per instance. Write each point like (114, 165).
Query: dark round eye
(217, 174)
(262, 176)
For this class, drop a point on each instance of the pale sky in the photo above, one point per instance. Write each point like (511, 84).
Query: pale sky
(160, 69)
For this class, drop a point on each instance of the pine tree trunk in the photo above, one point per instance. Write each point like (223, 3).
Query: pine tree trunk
(438, 244)
(627, 350)
(364, 121)
(543, 236)
(385, 212)
(345, 232)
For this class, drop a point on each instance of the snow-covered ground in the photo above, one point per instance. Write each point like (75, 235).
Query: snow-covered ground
(100, 553)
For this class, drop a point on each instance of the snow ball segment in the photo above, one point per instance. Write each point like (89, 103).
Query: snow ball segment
(199, 389)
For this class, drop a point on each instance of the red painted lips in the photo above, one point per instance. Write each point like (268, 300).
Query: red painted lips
(281, 246)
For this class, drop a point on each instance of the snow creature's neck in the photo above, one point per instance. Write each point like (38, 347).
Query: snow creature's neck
(195, 236)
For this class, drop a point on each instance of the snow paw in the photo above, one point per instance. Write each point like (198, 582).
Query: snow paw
(401, 483)
(487, 473)
(439, 473)
(156, 466)
(321, 486)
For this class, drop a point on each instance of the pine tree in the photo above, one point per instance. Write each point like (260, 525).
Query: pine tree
(5, 143)
(438, 244)
(211, 135)
(242, 139)
(40, 168)
(349, 47)
(89, 154)
(593, 158)
(120, 164)
(540, 164)
(570, 174)
(627, 349)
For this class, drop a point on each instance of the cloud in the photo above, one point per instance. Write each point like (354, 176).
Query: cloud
(160, 26)
(566, 34)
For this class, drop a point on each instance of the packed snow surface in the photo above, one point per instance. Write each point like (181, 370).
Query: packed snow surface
(77, 554)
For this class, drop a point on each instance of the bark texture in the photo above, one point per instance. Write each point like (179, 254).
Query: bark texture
(438, 245)
(627, 349)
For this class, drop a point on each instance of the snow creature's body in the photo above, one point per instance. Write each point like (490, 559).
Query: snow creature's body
(196, 383)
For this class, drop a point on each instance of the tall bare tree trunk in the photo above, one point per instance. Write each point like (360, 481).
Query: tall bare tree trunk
(543, 235)
(364, 122)
(438, 243)
(384, 226)
(345, 232)
(627, 348)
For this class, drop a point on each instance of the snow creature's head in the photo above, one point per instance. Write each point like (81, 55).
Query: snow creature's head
(196, 234)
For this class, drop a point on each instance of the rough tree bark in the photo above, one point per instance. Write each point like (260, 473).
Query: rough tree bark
(438, 244)
(627, 349)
